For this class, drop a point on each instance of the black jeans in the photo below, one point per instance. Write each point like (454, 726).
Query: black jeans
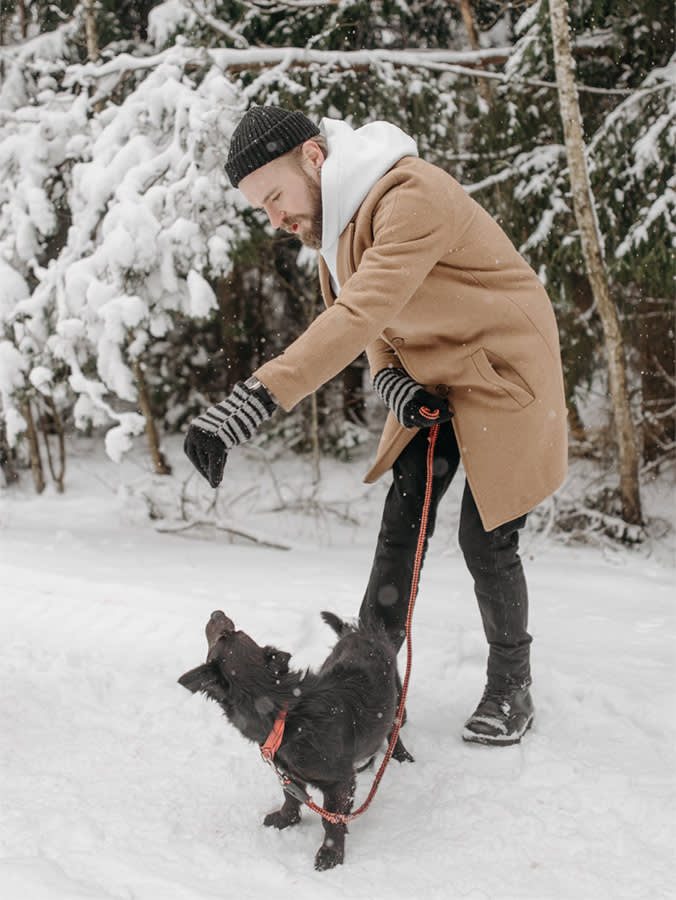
(491, 556)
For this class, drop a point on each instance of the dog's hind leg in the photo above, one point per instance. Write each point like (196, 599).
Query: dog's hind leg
(400, 753)
(288, 815)
(336, 799)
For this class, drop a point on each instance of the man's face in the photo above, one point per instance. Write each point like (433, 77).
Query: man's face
(289, 190)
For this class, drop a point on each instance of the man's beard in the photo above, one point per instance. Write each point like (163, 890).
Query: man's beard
(312, 233)
(313, 238)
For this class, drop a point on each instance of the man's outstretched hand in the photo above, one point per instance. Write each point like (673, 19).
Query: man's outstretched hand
(225, 425)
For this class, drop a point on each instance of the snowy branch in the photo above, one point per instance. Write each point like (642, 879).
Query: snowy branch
(217, 25)
(275, 5)
(503, 175)
(355, 59)
(469, 63)
(254, 57)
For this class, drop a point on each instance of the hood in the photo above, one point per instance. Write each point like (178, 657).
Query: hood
(356, 160)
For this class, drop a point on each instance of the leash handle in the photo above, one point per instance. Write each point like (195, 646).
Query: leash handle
(338, 818)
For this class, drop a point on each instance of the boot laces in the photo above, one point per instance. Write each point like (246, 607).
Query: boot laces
(502, 694)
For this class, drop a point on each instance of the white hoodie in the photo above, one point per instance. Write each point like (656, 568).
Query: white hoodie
(356, 160)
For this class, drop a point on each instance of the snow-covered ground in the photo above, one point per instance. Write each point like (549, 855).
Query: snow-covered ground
(117, 783)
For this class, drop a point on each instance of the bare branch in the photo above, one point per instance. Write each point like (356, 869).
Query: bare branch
(179, 527)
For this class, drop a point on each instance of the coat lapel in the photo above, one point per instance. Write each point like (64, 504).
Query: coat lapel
(325, 282)
(345, 261)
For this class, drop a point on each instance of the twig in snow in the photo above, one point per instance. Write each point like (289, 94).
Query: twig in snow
(179, 527)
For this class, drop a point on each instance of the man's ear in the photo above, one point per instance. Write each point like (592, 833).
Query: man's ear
(277, 661)
(207, 680)
(313, 155)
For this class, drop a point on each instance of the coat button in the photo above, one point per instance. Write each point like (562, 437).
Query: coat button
(443, 390)
(397, 341)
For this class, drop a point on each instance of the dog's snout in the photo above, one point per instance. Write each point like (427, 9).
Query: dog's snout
(218, 626)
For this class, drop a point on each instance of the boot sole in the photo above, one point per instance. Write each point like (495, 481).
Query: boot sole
(471, 737)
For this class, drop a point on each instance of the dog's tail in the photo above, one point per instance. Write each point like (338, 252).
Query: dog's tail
(337, 623)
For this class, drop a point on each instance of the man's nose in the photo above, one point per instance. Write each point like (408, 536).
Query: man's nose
(276, 218)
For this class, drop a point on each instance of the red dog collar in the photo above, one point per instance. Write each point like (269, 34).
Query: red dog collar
(274, 739)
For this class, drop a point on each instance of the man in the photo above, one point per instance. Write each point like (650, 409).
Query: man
(458, 331)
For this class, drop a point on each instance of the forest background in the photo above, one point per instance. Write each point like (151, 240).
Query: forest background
(136, 288)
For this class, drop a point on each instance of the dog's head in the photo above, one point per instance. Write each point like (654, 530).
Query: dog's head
(234, 660)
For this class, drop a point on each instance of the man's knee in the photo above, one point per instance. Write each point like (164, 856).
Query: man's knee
(489, 549)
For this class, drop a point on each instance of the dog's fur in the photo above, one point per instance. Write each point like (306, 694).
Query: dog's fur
(337, 717)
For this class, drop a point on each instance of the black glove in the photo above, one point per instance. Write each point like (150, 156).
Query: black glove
(413, 406)
(231, 422)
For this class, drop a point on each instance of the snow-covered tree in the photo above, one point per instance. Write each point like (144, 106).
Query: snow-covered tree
(115, 219)
(135, 285)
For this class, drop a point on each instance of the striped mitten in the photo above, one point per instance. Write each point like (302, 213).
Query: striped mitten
(412, 405)
(231, 422)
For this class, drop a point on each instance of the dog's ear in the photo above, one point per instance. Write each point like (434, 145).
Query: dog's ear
(277, 661)
(206, 679)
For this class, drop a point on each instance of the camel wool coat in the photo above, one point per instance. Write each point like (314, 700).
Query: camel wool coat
(430, 283)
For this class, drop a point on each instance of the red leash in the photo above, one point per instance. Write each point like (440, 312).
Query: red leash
(277, 732)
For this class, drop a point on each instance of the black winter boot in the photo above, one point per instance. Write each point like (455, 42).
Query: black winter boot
(503, 715)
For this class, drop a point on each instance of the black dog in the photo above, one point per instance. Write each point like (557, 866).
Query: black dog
(336, 718)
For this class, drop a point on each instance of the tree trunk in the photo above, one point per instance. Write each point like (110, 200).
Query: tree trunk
(34, 447)
(23, 23)
(235, 352)
(53, 423)
(467, 14)
(658, 377)
(160, 463)
(310, 306)
(3, 25)
(354, 404)
(585, 215)
(92, 37)
(575, 423)
(6, 461)
(314, 425)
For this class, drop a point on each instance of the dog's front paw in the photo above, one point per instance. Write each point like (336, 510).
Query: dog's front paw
(329, 856)
(281, 819)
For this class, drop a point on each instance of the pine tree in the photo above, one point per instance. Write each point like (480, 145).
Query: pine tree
(627, 101)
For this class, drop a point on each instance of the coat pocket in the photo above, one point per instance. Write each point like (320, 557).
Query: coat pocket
(497, 372)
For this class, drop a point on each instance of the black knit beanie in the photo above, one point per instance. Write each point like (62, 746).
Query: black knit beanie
(265, 133)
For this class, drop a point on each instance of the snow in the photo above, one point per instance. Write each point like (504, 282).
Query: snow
(118, 783)
(527, 18)
(166, 18)
(202, 297)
